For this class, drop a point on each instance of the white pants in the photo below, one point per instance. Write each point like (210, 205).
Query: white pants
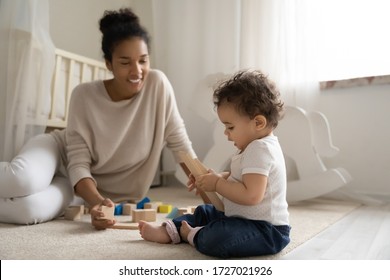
(31, 188)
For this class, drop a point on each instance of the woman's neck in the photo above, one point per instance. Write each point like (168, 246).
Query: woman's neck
(115, 92)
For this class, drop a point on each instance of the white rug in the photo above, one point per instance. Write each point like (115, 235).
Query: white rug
(77, 240)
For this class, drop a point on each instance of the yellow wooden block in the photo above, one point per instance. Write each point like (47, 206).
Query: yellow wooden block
(165, 208)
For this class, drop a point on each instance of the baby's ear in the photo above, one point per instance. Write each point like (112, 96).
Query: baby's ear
(260, 121)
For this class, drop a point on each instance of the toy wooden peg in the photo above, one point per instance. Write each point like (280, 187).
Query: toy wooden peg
(125, 225)
(197, 168)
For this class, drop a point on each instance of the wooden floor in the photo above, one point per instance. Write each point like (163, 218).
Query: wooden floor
(364, 234)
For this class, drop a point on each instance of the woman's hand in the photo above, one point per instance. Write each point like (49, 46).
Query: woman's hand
(97, 216)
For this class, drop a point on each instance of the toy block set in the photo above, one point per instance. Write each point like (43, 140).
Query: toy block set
(146, 209)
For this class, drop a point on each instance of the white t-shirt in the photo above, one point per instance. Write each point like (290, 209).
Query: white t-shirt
(262, 156)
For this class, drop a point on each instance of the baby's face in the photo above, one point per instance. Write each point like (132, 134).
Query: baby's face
(239, 129)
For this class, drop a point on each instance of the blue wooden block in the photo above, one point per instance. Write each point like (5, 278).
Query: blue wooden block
(140, 205)
(118, 209)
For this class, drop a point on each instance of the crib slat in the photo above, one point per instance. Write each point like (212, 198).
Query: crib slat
(55, 86)
(69, 88)
(82, 73)
(95, 73)
(86, 64)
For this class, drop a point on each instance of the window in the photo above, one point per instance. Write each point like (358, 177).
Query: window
(354, 39)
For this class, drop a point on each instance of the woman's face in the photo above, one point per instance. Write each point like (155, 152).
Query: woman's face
(130, 66)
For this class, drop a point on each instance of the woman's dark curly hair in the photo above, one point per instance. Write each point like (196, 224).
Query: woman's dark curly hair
(120, 25)
(252, 94)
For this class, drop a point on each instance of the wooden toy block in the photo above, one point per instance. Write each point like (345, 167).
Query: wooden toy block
(173, 214)
(184, 210)
(86, 210)
(194, 165)
(197, 168)
(118, 209)
(127, 207)
(108, 212)
(74, 212)
(140, 205)
(152, 205)
(125, 225)
(192, 209)
(165, 208)
(148, 215)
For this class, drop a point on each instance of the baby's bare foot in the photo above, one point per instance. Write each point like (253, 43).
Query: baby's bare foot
(185, 230)
(153, 233)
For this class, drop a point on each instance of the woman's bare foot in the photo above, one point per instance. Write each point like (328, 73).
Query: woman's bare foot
(185, 230)
(153, 233)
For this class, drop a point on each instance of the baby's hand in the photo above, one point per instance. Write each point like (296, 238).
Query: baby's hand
(191, 184)
(208, 181)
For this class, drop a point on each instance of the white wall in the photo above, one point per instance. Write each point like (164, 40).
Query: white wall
(359, 119)
(74, 24)
(358, 116)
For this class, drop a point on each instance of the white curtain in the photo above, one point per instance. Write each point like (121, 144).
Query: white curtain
(27, 63)
(279, 38)
(191, 40)
(195, 40)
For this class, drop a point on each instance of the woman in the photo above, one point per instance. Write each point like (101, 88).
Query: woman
(112, 145)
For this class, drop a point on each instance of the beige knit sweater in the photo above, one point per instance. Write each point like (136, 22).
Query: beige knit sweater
(119, 144)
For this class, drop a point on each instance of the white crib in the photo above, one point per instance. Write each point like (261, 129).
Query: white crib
(70, 70)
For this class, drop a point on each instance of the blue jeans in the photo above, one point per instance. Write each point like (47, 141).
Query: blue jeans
(227, 237)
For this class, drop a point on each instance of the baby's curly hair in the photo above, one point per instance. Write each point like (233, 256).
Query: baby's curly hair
(252, 94)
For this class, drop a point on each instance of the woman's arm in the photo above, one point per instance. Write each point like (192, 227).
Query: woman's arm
(80, 159)
(86, 188)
